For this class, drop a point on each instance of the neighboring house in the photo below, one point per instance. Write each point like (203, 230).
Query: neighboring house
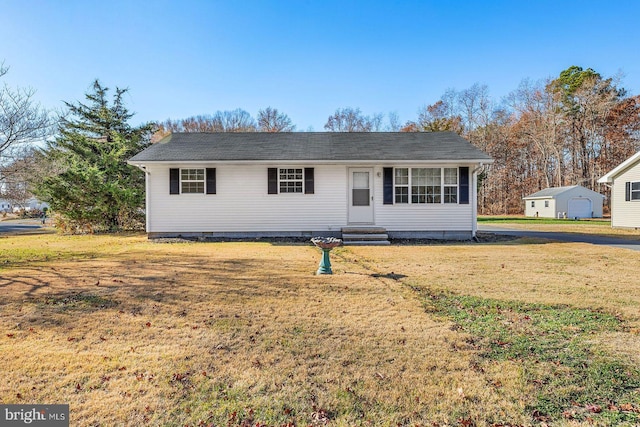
(564, 202)
(28, 205)
(5, 206)
(32, 204)
(405, 185)
(624, 181)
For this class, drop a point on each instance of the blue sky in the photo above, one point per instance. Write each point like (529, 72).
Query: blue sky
(306, 58)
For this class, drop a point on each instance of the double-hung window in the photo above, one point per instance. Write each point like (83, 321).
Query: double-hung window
(450, 185)
(401, 179)
(192, 181)
(419, 185)
(291, 180)
(634, 190)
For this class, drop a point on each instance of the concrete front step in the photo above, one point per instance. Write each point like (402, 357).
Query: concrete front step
(365, 236)
(366, 242)
(364, 230)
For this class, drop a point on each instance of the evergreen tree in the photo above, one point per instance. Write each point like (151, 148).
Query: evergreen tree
(93, 188)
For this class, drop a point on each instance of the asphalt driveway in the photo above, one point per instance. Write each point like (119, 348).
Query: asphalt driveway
(594, 239)
(22, 226)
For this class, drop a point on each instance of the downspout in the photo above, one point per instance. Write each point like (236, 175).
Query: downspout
(147, 212)
(474, 192)
(610, 202)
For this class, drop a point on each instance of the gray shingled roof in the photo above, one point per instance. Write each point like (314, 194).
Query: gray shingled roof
(312, 146)
(550, 192)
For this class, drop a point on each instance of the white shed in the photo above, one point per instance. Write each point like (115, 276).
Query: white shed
(625, 193)
(572, 201)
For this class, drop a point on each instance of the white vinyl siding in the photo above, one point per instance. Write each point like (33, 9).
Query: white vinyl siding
(543, 208)
(254, 210)
(248, 210)
(625, 213)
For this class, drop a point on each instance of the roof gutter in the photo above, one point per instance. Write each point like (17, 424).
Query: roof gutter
(322, 162)
(474, 220)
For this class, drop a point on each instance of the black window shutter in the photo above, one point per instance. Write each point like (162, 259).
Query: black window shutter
(211, 180)
(308, 180)
(272, 179)
(174, 181)
(387, 186)
(463, 172)
(627, 191)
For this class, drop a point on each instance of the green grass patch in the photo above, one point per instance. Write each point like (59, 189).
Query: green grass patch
(533, 220)
(571, 376)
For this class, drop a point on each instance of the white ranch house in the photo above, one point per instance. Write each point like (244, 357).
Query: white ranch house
(401, 185)
(624, 181)
(572, 201)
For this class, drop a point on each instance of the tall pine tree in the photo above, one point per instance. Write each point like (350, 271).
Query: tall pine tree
(93, 188)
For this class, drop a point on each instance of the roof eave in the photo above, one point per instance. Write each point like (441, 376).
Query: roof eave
(135, 162)
(539, 197)
(609, 177)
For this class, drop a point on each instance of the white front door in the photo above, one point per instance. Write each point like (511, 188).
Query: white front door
(360, 195)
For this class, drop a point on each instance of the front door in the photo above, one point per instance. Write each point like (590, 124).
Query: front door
(360, 195)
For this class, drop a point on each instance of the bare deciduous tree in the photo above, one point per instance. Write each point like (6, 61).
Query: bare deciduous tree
(237, 120)
(564, 131)
(22, 120)
(271, 120)
(352, 120)
(435, 118)
(475, 106)
(16, 177)
(394, 123)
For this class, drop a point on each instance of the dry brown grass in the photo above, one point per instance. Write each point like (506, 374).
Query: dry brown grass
(130, 332)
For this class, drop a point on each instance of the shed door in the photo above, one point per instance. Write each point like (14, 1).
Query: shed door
(361, 195)
(579, 208)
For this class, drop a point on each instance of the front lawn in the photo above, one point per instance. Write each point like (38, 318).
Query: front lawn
(131, 332)
(597, 226)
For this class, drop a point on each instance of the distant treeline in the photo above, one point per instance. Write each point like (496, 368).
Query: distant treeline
(564, 131)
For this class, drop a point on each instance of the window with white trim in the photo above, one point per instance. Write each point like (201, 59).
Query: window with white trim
(290, 180)
(425, 185)
(450, 185)
(635, 190)
(401, 181)
(192, 181)
(546, 203)
(533, 203)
